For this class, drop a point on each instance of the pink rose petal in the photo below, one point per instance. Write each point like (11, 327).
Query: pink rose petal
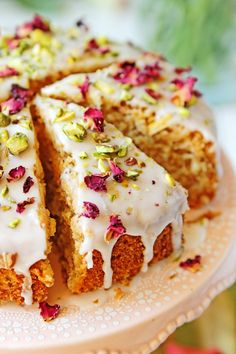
(90, 210)
(20, 207)
(37, 23)
(192, 264)
(185, 90)
(95, 117)
(118, 173)
(8, 72)
(16, 173)
(48, 312)
(84, 87)
(115, 228)
(96, 182)
(28, 184)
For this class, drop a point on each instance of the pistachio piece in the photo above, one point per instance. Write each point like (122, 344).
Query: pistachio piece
(147, 98)
(17, 143)
(14, 223)
(170, 180)
(74, 131)
(122, 151)
(102, 166)
(100, 138)
(4, 120)
(4, 135)
(126, 96)
(133, 174)
(4, 191)
(104, 87)
(83, 155)
(107, 149)
(65, 117)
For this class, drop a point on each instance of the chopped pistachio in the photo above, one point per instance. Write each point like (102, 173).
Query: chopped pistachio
(26, 124)
(129, 210)
(133, 174)
(102, 166)
(4, 136)
(107, 149)
(4, 120)
(74, 131)
(112, 197)
(135, 186)
(122, 151)
(104, 87)
(5, 207)
(154, 86)
(184, 112)
(14, 223)
(126, 96)
(147, 98)
(4, 191)
(17, 143)
(126, 87)
(67, 116)
(102, 40)
(192, 101)
(100, 138)
(43, 38)
(170, 179)
(83, 155)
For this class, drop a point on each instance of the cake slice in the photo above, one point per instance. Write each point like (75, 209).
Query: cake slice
(25, 225)
(117, 210)
(38, 53)
(158, 106)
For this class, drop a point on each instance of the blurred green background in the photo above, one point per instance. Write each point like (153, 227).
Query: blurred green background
(200, 33)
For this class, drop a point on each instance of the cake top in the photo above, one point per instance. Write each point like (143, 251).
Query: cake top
(37, 50)
(164, 93)
(116, 188)
(22, 228)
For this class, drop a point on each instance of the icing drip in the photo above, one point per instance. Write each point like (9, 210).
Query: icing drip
(145, 206)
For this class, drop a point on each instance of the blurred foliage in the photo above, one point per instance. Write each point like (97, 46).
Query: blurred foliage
(42, 5)
(196, 32)
(216, 328)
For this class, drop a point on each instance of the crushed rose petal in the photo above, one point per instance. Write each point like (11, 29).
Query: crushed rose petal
(48, 312)
(20, 207)
(185, 90)
(154, 94)
(130, 74)
(115, 228)
(19, 99)
(180, 71)
(192, 264)
(118, 173)
(84, 87)
(16, 173)
(28, 184)
(90, 210)
(95, 116)
(173, 348)
(8, 71)
(96, 182)
(37, 23)
(93, 45)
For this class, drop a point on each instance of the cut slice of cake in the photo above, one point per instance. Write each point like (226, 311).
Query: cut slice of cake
(158, 106)
(39, 53)
(117, 210)
(25, 225)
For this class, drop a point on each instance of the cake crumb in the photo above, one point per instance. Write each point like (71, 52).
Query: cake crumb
(119, 293)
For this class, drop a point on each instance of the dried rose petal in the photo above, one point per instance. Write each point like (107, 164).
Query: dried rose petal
(154, 94)
(173, 348)
(7, 72)
(93, 45)
(28, 184)
(48, 312)
(95, 116)
(90, 210)
(20, 207)
(130, 74)
(185, 90)
(37, 23)
(115, 228)
(84, 87)
(19, 99)
(192, 265)
(13, 43)
(131, 161)
(180, 71)
(16, 173)
(96, 182)
(118, 173)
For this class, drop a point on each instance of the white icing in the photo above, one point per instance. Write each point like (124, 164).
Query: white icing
(28, 239)
(146, 219)
(200, 115)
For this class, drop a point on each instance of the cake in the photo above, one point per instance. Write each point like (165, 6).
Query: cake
(159, 107)
(117, 210)
(38, 53)
(25, 228)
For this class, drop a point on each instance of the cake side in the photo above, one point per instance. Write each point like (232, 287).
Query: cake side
(91, 256)
(26, 227)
